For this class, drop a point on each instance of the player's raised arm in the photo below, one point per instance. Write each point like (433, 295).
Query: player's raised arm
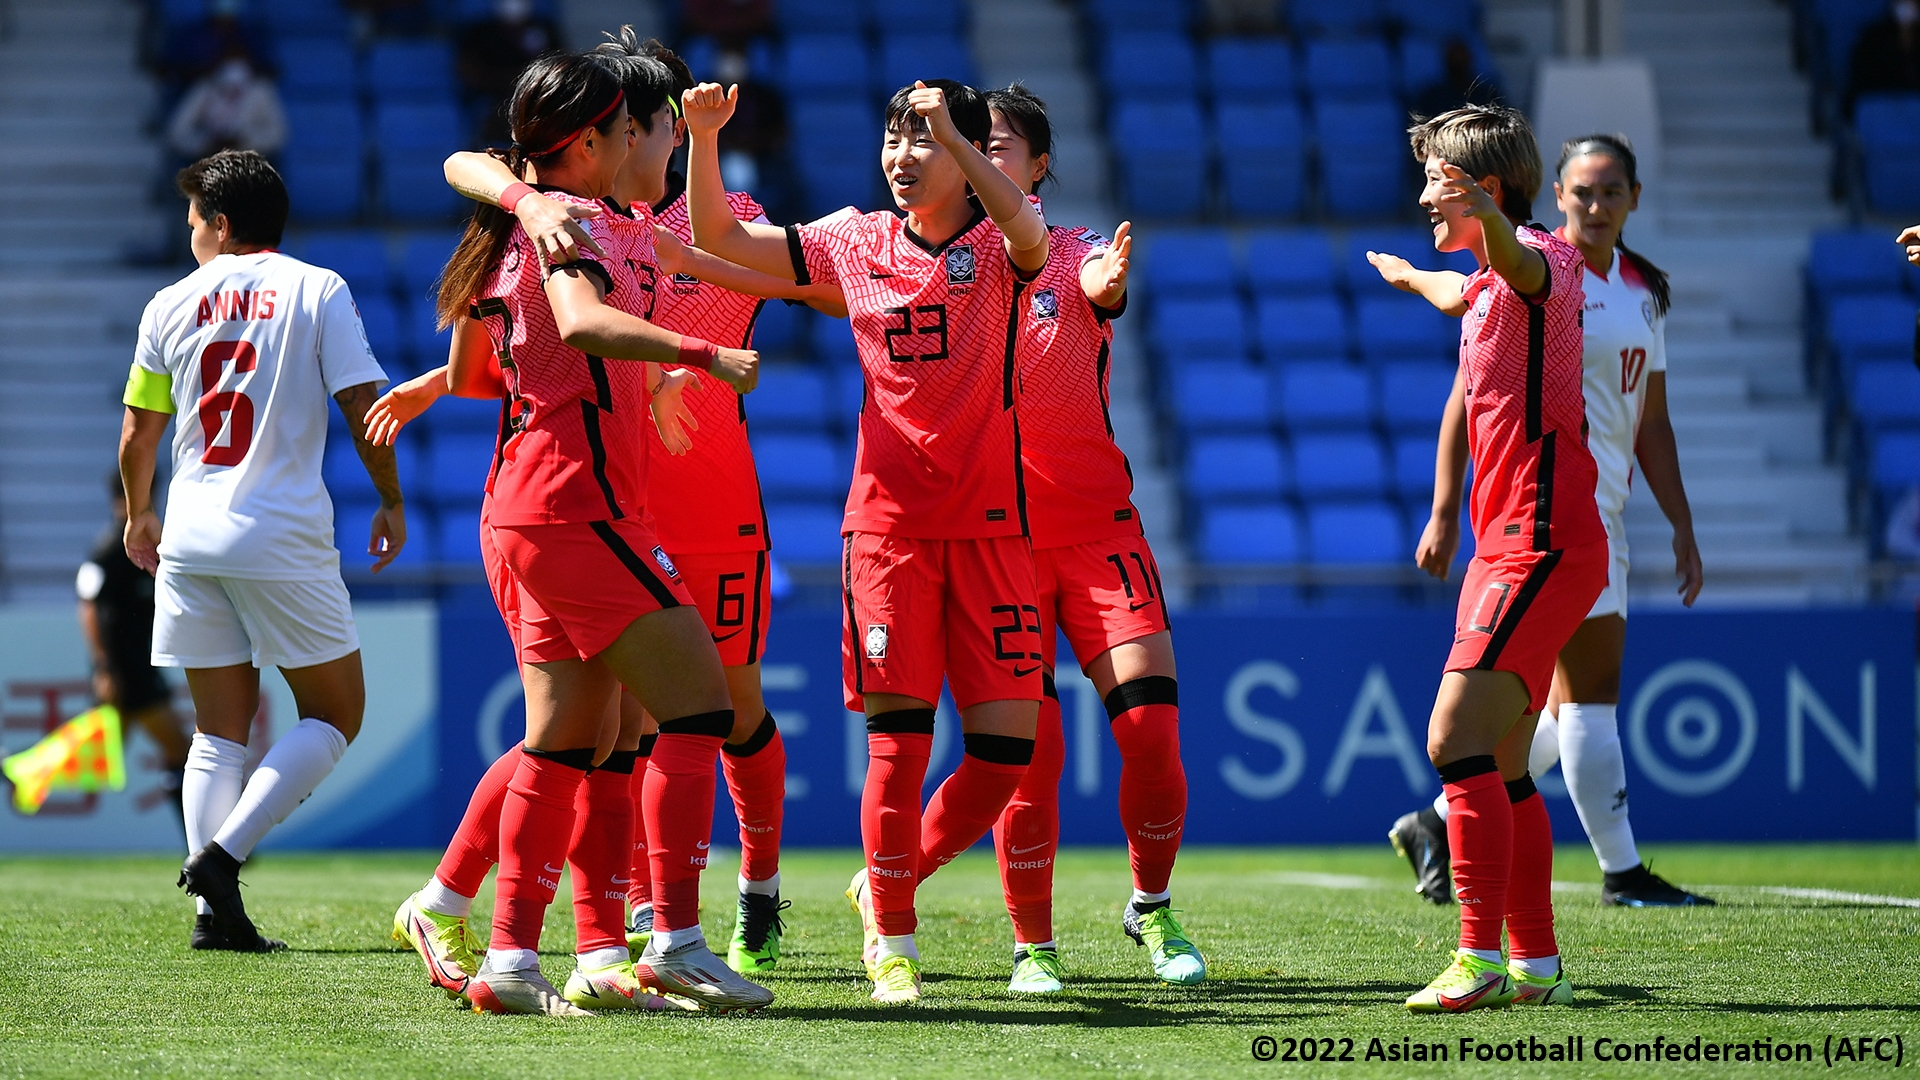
(586, 323)
(1019, 220)
(1524, 268)
(677, 257)
(755, 245)
(1103, 278)
(1441, 538)
(389, 531)
(1441, 288)
(552, 225)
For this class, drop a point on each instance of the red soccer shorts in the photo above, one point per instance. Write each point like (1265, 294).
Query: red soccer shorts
(920, 610)
(735, 598)
(1103, 594)
(577, 586)
(1519, 608)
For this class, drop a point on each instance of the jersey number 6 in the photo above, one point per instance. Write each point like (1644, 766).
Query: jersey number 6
(232, 406)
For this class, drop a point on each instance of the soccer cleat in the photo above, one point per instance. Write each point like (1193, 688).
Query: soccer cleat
(1641, 887)
(1534, 990)
(1175, 959)
(525, 991)
(693, 972)
(615, 987)
(1036, 971)
(207, 935)
(862, 902)
(214, 876)
(640, 931)
(896, 981)
(1421, 837)
(756, 933)
(1468, 983)
(444, 943)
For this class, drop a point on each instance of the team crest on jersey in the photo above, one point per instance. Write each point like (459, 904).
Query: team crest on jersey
(1095, 239)
(1044, 305)
(960, 264)
(1483, 304)
(877, 641)
(660, 556)
(1646, 312)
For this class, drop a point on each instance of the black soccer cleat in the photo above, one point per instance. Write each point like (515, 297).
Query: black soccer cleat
(1422, 838)
(1641, 887)
(207, 935)
(214, 876)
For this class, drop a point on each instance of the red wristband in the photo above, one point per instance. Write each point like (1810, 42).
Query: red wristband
(511, 197)
(697, 354)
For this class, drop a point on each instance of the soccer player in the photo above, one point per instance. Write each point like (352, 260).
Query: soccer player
(575, 566)
(250, 346)
(1625, 387)
(938, 572)
(1540, 558)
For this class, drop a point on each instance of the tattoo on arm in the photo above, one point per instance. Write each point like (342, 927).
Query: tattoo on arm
(379, 460)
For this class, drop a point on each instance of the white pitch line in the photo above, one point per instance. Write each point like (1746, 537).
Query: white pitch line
(1834, 896)
(1830, 895)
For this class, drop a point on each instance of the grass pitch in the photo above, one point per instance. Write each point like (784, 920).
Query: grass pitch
(1319, 943)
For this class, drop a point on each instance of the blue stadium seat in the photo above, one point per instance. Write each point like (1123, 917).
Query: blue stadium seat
(1162, 147)
(306, 19)
(1365, 533)
(324, 186)
(907, 57)
(1403, 327)
(1251, 69)
(1302, 327)
(358, 257)
(1414, 394)
(410, 71)
(780, 328)
(1870, 328)
(381, 320)
(462, 416)
(1841, 22)
(1262, 158)
(1220, 396)
(1888, 126)
(457, 466)
(822, 16)
(1250, 534)
(422, 257)
(1363, 156)
(1212, 329)
(1413, 461)
(1139, 64)
(805, 532)
(827, 63)
(1886, 393)
(920, 16)
(1334, 17)
(1846, 262)
(1236, 467)
(324, 126)
(1349, 68)
(1435, 18)
(1323, 394)
(1895, 465)
(314, 69)
(1291, 261)
(352, 518)
(833, 342)
(1413, 245)
(1342, 466)
(837, 140)
(346, 478)
(456, 537)
(1419, 62)
(1193, 263)
(794, 466)
(790, 397)
(1123, 16)
(425, 340)
(415, 140)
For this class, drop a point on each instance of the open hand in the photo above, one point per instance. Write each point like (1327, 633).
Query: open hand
(1464, 192)
(671, 415)
(1910, 238)
(1110, 267)
(555, 229)
(142, 538)
(1394, 270)
(399, 406)
(707, 108)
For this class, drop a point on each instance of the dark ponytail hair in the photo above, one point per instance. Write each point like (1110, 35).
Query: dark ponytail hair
(651, 74)
(1027, 115)
(556, 98)
(1620, 149)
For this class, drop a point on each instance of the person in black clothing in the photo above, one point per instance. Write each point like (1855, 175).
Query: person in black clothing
(1461, 83)
(116, 618)
(1886, 55)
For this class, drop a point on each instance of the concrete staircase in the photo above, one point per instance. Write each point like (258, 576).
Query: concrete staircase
(1743, 187)
(71, 107)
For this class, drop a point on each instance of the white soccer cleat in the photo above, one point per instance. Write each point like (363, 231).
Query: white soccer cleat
(693, 972)
(524, 991)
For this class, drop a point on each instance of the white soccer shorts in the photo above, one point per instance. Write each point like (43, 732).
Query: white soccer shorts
(1613, 599)
(201, 621)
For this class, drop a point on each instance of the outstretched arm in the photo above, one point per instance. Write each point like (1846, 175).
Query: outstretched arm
(389, 532)
(1660, 464)
(140, 435)
(1441, 288)
(677, 257)
(587, 323)
(553, 226)
(1019, 220)
(754, 245)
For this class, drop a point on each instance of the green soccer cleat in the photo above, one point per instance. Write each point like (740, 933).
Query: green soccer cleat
(756, 933)
(445, 944)
(615, 987)
(1036, 971)
(1468, 983)
(862, 902)
(640, 931)
(1175, 959)
(896, 981)
(1534, 990)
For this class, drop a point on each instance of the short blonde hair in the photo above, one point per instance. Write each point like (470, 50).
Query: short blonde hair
(1483, 141)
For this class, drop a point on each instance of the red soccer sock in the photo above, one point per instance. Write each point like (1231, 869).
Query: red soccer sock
(971, 800)
(1530, 881)
(1144, 715)
(898, 746)
(536, 821)
(1480, 837)
(602, 841)
(476, 843)
(640, 874)
(1028, 833)
(677, 805)
(756, 773)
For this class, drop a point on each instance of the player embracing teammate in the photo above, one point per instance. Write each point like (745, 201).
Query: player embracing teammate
(1540, 558)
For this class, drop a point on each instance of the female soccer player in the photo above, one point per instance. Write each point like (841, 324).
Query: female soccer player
(1625, 386)
(1540, 558)
(938, 573)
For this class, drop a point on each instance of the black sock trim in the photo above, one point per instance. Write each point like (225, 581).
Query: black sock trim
(998, 749)
(1467, 767)
(646, 745)
(901, 722)
(1048, 686)
(620, 761)
(717, 724)
(756, 743)
(1519, 791)
(1146, 690)
(581, 759)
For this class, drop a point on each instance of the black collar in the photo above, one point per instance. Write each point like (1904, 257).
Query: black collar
(676, 187)
(610, 203)
(979, 215)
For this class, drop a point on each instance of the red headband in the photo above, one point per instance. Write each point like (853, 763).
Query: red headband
(568, 141)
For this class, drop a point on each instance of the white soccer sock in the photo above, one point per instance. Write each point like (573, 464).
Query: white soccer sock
(1142, 899)
(505, 960)
(286, 776)
(1545, 752)
(1596, 772)
(1440, 803)
(769, 887)
(1023, 947)
(665, 941)
(209, 788)
(595, 959)
(436, 897)
(1491, 956)
(898, 945)
(1539, 967)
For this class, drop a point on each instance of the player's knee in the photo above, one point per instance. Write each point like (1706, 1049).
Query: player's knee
(1146, 733)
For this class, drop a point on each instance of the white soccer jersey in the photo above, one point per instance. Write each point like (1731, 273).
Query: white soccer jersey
(255, 346)
(1624, 342)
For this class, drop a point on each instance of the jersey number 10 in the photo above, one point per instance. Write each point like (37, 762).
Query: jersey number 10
(232, 406)
(1632, 363)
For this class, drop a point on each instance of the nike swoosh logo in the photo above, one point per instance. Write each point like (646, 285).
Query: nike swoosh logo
(551, 869)
(1465, 1000)
(877, 857)
(1139, 605)
(718, 638)
(1024, 850)
(1020, 674)
(701, 846)
(621, 880)
(1162, 825)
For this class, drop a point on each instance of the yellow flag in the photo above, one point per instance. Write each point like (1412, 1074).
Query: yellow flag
(83, 754)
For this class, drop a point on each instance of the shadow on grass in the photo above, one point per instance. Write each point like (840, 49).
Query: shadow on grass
(1233, 1002)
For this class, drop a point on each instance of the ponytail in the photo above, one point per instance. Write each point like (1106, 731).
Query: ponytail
(1620, 148)
(1654, 277)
